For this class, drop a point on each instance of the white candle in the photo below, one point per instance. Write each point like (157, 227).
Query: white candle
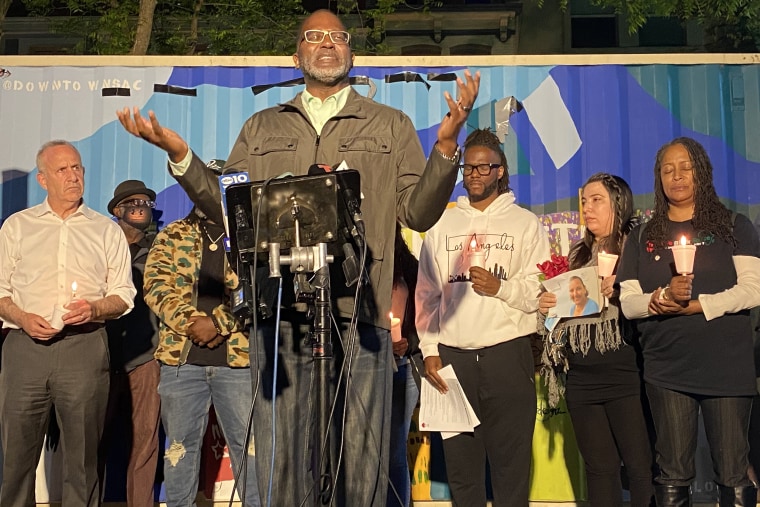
(683, 255)
(395, 328)
(477, 255)
(56, 321)
(606, 264)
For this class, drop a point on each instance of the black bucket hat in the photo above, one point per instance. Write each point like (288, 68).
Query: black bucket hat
(127, 188)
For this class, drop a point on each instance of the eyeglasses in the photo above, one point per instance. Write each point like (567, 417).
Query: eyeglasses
(137, 203)
(317, 36)
(483, 169)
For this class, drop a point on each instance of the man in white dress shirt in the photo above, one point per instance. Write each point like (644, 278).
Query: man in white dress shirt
(64, 270)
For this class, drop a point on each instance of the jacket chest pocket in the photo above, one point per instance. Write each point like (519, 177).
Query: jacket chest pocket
(370, 155)
(275, 154)
(367, 144)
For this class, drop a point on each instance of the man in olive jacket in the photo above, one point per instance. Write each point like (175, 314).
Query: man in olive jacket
(329, 123)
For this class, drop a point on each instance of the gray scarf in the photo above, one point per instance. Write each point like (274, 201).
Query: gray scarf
(577, 334)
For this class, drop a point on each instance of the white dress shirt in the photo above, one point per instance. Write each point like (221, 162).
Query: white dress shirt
(42, 255)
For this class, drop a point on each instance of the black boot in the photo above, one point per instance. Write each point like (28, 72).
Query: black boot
(672, 496)
(745, 496)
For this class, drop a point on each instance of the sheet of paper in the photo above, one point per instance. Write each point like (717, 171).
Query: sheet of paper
(450, 412)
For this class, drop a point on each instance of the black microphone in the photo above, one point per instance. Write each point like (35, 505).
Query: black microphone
(241, 299)
(354, 208)
(245, 239)
(351, 268)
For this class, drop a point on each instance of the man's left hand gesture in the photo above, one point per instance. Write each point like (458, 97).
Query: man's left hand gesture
(484, 282)
(459, 109)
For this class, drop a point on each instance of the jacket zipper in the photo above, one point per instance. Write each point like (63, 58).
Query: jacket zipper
(316, 149)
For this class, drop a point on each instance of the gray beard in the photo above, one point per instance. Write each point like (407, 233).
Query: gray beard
(328, 77)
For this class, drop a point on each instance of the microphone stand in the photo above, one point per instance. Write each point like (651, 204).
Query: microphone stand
(303, 259)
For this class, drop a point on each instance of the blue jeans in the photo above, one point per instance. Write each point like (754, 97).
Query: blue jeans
(405, 396)
(726, 426)
(361, 437)
(186, 394)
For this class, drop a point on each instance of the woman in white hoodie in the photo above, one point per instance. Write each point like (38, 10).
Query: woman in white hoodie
(476, 296)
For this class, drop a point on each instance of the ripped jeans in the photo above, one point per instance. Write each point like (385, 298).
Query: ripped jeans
(186, 395)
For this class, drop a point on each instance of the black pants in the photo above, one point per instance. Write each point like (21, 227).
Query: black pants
(606, 434)
(499, 383)
(676, 421)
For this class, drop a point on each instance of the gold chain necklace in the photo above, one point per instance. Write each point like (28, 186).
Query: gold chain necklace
(213, 245)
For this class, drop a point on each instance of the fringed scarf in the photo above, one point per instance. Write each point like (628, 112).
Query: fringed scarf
(576, 333)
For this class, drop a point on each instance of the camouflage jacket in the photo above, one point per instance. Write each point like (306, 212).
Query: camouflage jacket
(171, 275)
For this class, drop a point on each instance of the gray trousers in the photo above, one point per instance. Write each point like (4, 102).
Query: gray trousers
(72, 373)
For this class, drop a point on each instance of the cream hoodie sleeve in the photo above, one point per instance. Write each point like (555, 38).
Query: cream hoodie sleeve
(427, 297)
(521, 291)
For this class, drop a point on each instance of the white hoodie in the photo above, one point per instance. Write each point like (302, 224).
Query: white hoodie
(448, 309)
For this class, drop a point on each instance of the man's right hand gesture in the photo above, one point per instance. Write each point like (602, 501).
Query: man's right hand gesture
(153, 132)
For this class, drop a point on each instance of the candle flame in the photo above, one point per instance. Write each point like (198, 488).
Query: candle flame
(390, 316)
(683, 240)
(604, 253)
(473, 244)
(73, 286)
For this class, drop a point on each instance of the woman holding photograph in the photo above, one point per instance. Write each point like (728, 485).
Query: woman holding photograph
(602, 385)
(695, 330)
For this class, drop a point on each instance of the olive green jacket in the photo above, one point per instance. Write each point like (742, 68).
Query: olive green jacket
(397, 182)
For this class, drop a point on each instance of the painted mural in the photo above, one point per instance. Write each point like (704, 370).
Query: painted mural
(559, 124)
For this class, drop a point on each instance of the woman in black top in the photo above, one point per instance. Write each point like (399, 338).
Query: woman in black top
(602, 386)
(695, 331)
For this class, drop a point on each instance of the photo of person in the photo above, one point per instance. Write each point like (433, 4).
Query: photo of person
(578, 294)
(582, 304)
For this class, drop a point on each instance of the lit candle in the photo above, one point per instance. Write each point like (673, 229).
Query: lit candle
(683, 255)
(73, 290)
(477, 255)
(395, 328)
(606, 264)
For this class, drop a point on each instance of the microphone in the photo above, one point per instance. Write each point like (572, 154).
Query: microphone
(351, 268)
(241, 297)
(245, 239)
(354, 208)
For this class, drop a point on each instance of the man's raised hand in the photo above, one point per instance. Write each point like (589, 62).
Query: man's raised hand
(152, 131)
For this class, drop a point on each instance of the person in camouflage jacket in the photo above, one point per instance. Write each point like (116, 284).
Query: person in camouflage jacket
(172, 268)
(203, 353)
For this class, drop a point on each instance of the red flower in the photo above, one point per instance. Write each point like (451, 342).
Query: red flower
(555, 266)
